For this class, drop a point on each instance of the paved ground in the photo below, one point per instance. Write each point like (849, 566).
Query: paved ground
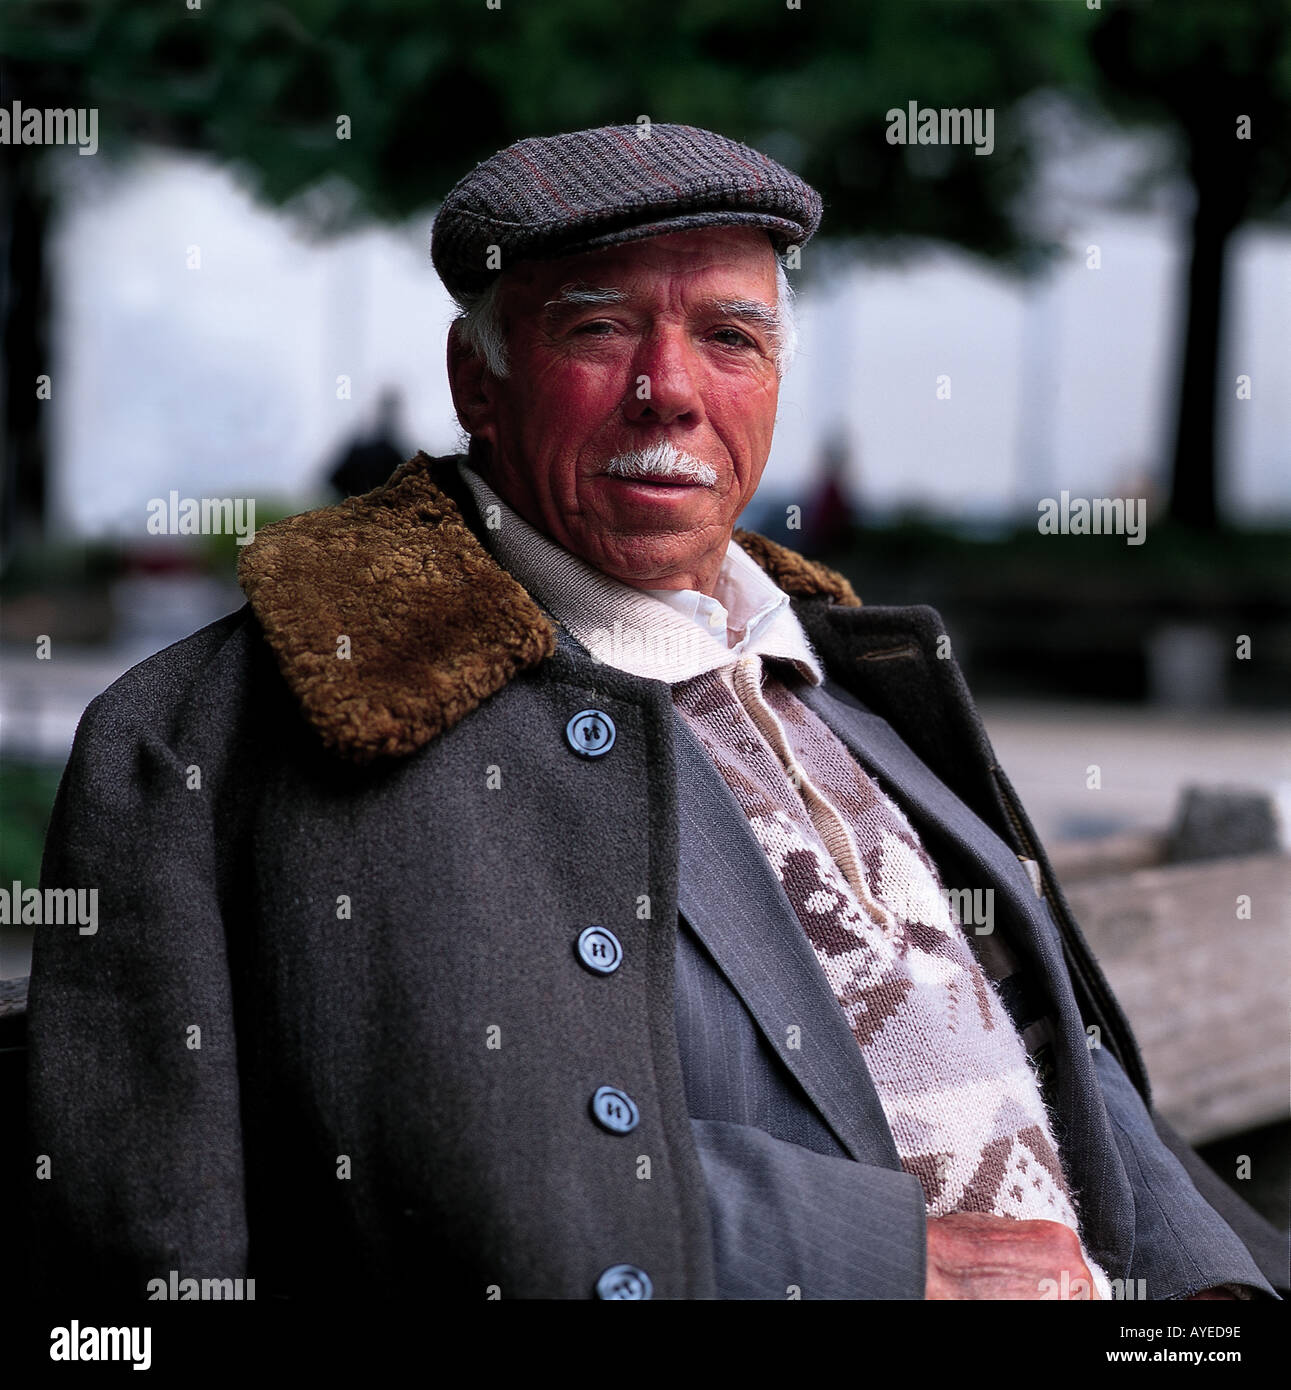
(1145, 759)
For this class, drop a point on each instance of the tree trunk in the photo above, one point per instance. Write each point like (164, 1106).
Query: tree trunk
(24, 315)
(1192, 487)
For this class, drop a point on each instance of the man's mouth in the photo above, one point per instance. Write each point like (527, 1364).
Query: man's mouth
(653, 480)
(661, 467)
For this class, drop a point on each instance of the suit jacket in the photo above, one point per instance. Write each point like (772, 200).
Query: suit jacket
(334, 1033)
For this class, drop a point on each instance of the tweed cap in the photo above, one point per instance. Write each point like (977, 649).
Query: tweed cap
(560, 194)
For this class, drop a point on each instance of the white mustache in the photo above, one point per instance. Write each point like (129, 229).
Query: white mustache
(660, 462)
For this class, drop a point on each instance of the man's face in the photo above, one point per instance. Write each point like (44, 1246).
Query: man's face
(681, 350)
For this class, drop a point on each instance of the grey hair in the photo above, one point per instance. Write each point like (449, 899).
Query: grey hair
(479, 321)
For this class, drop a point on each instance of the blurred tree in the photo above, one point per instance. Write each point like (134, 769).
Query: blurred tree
(1220, 75)
(382, 104)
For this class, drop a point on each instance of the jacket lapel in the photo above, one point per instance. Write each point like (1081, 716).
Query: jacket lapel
(731, 897)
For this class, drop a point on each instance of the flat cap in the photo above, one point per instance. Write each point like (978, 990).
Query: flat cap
(561, 194)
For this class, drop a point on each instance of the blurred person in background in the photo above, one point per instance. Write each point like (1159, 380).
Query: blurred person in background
(368, 460)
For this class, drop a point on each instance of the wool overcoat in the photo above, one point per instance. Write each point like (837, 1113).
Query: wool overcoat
(333, 1031)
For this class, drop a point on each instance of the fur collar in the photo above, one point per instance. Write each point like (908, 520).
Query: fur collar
(390, 620)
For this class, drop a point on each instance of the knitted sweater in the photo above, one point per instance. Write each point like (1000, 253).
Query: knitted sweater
(949, 1068)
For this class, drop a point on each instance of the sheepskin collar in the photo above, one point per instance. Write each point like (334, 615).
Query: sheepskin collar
(390, 620)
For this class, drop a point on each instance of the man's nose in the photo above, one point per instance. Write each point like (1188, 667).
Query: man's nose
(665, 379)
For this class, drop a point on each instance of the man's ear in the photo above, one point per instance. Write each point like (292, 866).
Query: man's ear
(471, 383)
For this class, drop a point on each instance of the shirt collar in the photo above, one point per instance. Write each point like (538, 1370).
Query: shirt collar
(744, 603)
(664, 634)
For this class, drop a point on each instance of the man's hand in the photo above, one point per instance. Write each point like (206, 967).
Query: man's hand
(972, 1255)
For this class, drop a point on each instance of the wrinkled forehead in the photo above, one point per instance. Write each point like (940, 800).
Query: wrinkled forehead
(731, 260)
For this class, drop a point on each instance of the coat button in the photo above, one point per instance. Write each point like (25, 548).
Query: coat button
(625, 1282)
(599, 950)
(590, 732)
(615, 1110)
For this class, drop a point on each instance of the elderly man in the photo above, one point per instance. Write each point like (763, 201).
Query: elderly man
(543, 889)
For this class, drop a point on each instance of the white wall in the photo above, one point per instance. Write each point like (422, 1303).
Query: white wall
(222, 381)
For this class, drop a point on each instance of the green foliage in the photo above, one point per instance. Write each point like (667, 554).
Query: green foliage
(220, 551)
(1176, 565)
(26, 799)
(430, 91)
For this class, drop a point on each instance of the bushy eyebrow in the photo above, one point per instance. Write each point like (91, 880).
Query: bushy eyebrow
(751, 311)
(580, 296)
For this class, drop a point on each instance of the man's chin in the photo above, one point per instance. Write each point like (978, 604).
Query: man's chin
(645, 561)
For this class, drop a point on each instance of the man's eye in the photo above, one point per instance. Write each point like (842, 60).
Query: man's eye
(596, 328)
(732, 337)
